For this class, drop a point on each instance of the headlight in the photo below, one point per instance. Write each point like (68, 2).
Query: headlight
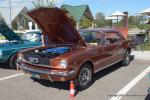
(63, 63)
(1, 53)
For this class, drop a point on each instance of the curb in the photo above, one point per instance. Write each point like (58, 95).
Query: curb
(143, 55)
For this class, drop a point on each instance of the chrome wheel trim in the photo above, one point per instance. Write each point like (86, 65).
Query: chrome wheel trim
(127, 58)
(85, 76)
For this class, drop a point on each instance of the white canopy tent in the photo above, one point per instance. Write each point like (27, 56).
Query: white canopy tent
(146, 11)
(117, 14)
(111, 18)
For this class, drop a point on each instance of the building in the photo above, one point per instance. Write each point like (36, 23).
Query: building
(5, 15)
(79, 12)
(17, 19)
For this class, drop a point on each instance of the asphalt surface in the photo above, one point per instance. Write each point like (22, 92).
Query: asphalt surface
(106, 84)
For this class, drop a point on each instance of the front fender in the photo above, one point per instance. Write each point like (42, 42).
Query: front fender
(7, 54)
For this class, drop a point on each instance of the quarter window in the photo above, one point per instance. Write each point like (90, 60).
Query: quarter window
(112, 37)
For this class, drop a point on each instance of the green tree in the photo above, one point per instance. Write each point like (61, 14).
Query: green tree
(85, 23)
(44, 3)
(14, 25)
(100, 20)
(132, 22)
(137, 22)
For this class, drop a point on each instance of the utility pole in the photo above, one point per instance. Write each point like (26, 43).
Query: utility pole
(10, 13)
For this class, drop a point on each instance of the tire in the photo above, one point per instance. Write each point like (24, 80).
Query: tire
(126, 59)
(84, 79)
(13, 61)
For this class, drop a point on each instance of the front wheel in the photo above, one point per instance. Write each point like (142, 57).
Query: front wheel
(84, 79)
(126, 59)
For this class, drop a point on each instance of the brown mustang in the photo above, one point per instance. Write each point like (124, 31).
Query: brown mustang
(71, 54)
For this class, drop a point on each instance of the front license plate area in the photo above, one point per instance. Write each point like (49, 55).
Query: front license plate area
(34, 60)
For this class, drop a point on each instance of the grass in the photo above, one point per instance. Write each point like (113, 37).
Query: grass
(2, 37)
(145, 46)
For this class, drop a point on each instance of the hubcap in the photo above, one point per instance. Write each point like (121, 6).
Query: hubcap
(127, 58)
(16, 62)
(84, 76)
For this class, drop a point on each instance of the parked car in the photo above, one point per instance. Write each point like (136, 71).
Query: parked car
(72, 55)
(15, 43)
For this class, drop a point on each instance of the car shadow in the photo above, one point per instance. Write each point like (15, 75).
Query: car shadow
(109, 70)
(47, 83)
(106, 71)
(132, 57)
(65, 85)
(147, 97)
(4, 66)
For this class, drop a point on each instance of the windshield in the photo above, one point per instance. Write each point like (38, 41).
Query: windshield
(32, 37)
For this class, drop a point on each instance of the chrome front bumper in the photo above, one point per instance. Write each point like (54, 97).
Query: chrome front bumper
(27, 69)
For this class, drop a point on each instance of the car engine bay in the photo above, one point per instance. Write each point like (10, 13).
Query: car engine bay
(42, 56)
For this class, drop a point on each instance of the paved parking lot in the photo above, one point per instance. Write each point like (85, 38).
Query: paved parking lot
(107, 83)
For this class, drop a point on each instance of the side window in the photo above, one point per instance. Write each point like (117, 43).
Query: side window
(87, 36)
(112, 37)
(94, 38)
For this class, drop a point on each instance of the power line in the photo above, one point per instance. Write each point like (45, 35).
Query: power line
(10, 12)
(4, 7)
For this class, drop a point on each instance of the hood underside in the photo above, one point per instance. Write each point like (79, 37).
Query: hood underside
(8, 33)
(56, 25)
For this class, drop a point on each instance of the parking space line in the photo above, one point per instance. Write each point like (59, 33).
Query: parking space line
(125, 89)
(12, 76)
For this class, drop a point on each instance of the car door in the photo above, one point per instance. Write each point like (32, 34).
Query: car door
(113, 48)
(97, 50)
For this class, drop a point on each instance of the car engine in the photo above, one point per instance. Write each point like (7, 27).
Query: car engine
(43, 56)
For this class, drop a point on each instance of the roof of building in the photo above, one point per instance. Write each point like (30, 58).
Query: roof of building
(1, 18)
(78, 12)
(5, 13)
(16, 12)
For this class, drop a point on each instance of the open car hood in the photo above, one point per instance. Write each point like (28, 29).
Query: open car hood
(56, 25)
(8, 33)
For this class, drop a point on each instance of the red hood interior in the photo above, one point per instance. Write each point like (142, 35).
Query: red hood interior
(56, 25)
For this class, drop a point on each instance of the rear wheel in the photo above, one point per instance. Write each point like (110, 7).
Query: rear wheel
(13, 62)
(126, 59)
(84, 79)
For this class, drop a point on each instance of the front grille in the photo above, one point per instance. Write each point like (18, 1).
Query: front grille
(36, 58)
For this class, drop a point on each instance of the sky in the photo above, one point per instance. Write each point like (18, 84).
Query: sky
(105, 6)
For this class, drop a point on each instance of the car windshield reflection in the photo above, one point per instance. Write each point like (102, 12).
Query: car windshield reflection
(31, 37)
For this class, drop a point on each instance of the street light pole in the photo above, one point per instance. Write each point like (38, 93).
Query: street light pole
(10, 12)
